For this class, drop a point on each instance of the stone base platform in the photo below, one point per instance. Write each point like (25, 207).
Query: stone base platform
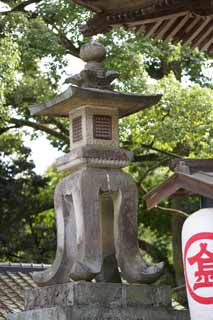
(94, 301)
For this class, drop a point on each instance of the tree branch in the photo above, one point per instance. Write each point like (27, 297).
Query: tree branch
(171, 154)
(60, 126)
(179, 288)
(21, 123)
(146, 157)
(155, 166)
(21, 6)
(67, 44)
(173, 211)
(3, 130)
(62, 38)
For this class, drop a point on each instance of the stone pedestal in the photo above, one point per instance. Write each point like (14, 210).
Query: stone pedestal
(94, 301)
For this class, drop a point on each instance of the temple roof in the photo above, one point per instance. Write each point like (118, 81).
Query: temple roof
(14, 279)
(112, 5)
(195, 176)
(75, 97)
(189, 21)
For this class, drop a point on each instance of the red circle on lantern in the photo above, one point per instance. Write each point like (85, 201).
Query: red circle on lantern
(193, 239)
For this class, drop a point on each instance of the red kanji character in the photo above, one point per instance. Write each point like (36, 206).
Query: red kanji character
(204, 260)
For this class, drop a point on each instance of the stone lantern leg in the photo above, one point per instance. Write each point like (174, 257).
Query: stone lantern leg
(98, 194)
(96, 211)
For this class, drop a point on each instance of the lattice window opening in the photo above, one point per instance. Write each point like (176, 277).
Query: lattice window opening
(77, 129)
(102, 127)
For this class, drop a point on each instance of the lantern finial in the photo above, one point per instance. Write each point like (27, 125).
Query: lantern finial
(94, 74)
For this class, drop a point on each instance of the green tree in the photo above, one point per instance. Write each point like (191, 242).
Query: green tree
(23, 203)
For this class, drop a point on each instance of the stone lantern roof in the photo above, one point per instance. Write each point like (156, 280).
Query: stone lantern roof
(75, 97)
(189, 21)
(194, 176)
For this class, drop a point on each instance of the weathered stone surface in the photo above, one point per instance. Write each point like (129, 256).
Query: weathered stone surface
(95, 301)
(89, 243)
(130, 313)
(94, 74)
(79, 239)
(109, 295)
(99, 312)
(75, 97)
(94, 156)
(44, 314)
(87, 127)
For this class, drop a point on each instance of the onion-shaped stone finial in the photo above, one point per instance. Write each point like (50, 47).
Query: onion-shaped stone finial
(93, 51)
(94, 74)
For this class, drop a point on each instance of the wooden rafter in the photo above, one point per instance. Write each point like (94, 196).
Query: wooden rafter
(188, 21)
(178, 27)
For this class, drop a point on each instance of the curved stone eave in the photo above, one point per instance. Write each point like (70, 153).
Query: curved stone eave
(75, 97)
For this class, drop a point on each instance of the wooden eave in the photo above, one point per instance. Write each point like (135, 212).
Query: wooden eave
(118, 6)
(200, 183)
(190, 22)
(195, 165)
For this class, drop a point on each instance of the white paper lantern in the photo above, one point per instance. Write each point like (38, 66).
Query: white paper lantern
(197, 246)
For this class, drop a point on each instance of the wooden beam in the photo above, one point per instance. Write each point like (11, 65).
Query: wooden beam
(196, 19)
(145, 19)
(203, 35)
(163, 191)
(154, 28)
(196, 186)
(159, 30)
(191, 28)
(206, 45)
(145, 27)
(179, 26)
(182, 32)
(167, 27)
(198, 30)
(205, 165)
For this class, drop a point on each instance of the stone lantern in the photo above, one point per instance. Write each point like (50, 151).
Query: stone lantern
(96, 212)
(97, 186)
